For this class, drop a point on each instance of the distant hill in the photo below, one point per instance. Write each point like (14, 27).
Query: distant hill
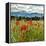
(26, 14)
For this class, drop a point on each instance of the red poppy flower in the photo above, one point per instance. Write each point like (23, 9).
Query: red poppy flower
(29, 22)
(23, 27)
(17, 22)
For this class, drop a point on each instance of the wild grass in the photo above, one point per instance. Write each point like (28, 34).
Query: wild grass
(33, 31)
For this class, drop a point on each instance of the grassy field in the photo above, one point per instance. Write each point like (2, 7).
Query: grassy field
(24, 31)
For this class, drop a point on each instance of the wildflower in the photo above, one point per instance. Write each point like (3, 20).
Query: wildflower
(17, 22)
(29, 22)
(23, 27)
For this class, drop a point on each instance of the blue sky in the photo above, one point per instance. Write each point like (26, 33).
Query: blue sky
(26, 10)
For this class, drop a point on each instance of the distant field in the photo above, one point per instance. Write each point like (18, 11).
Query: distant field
(24, 31)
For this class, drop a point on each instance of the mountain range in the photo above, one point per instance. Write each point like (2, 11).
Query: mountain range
(26, 14)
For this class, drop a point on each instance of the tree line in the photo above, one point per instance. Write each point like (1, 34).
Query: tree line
(27, 18)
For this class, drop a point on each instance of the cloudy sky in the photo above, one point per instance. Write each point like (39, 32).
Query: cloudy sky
(27, 8)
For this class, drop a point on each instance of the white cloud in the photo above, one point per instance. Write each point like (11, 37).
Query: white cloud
(27, 8)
